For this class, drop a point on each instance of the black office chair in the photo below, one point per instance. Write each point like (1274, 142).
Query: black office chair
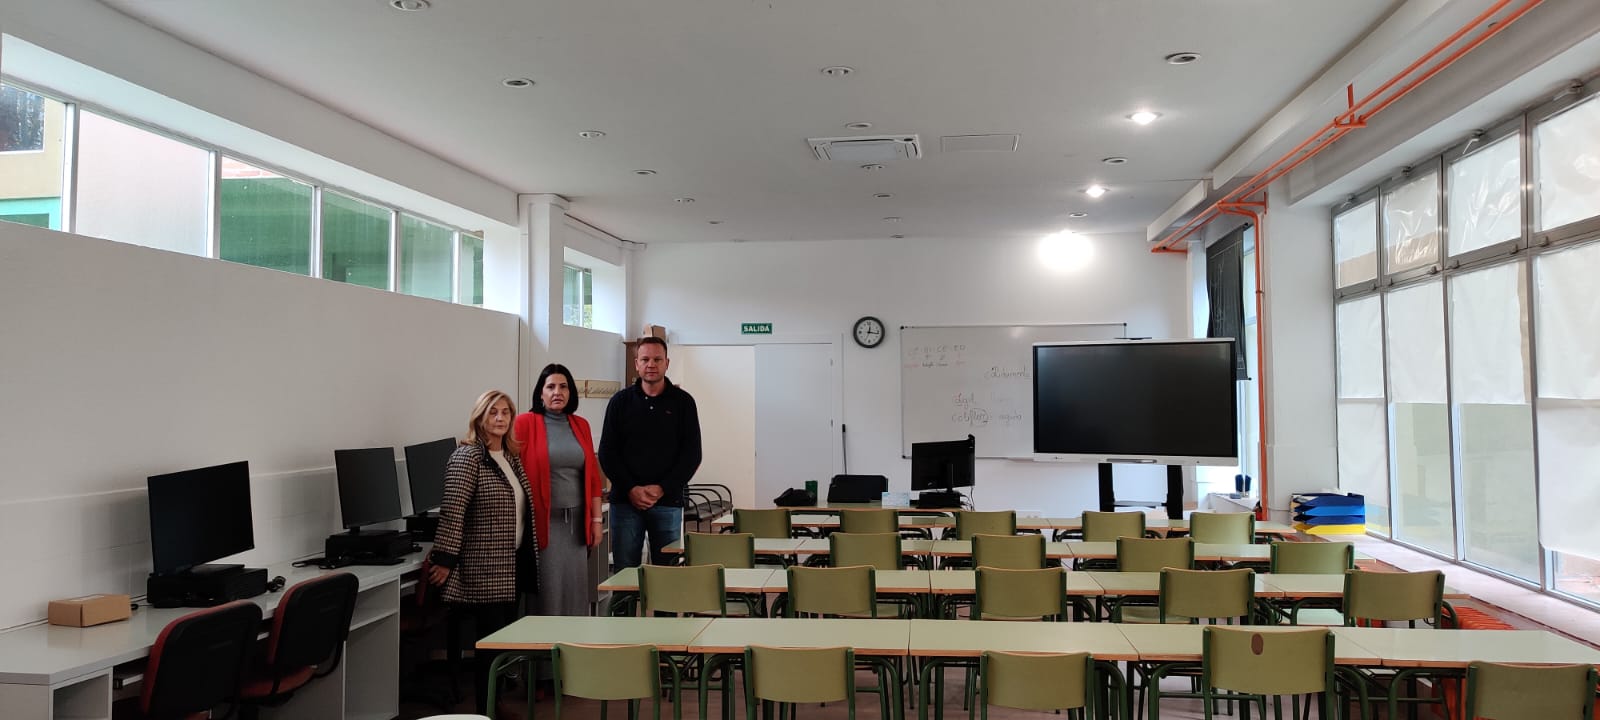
(308, 633)
(196, 665)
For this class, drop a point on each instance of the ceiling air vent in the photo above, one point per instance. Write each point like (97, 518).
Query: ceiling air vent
(867, 149)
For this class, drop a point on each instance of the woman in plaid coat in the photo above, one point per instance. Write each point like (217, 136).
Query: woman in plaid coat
(485, 551)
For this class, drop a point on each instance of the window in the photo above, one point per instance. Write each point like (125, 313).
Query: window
(355, 241)
(1568, 414)
(22, 120)
(426, 251)
(1485, 201)
(1355, 245)
(1363, 425)
(577, 297)
(1489, 394)
(135, 186)
(1567, 158)
(264, 218)
(470, 271)
(32, 157)
(1419, 418)
(1411, 224)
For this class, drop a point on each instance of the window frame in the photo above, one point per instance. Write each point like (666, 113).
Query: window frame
(1466, 148)
(1365, 286)
(1395, 279)
(1573, 232)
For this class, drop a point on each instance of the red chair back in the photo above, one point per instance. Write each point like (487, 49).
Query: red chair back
(198, 661)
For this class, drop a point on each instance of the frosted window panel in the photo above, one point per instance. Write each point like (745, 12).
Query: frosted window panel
(470, 283)
(1494, 420)
(355, 241)
(1485, 200)
(1411, 224)
(265, 219)
(1364, 457)
(1568, 312)
(1360, 341)
(1419, 427)
(1569, 475)
(1355, 244)
(1416, 344)
(426, 254)
(139, 187)
(1567, 152)
(1489, 336)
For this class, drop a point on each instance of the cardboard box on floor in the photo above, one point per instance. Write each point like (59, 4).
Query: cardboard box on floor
(89, 610)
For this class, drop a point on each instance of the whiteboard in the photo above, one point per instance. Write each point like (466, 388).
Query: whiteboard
(977, 379)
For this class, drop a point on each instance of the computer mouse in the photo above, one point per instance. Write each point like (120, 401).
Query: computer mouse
(276, 583)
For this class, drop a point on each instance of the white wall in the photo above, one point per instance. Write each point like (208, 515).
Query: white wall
(702, 292)
(121, 362)
(722, 379)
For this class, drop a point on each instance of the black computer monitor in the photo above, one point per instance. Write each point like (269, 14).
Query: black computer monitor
(197, 516)
(369, 490)
(943, 465)
(425, 465)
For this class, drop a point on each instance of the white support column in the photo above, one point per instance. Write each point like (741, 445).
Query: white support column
(542, 218)
(1297, 320)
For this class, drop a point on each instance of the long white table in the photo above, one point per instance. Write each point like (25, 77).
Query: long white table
(50, 672)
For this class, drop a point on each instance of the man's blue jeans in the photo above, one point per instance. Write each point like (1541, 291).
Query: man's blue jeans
(629, 528)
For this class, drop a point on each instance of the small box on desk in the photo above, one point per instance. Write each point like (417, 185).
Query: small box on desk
(89, 610)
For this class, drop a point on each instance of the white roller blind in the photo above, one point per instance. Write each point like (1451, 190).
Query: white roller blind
(1566, 305)
(1416, 344)
(1486, 196)
(1411, 224)
(1487, 358)
(1360, 347)
(1567, 149)
(1355, 244)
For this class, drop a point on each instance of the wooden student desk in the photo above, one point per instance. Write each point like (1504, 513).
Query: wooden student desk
(49, 672)
(624, 586)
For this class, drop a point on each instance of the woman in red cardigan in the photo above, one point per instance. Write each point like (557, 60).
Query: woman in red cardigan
(558, 456)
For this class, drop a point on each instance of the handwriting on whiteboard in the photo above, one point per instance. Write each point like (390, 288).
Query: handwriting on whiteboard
(968, 413)
(935, 356)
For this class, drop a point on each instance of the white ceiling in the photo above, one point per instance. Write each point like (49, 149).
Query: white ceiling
(719, 97)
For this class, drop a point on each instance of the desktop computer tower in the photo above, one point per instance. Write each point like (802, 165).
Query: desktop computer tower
(205, 589)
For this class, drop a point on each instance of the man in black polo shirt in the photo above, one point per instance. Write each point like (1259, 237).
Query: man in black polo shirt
(649, 448)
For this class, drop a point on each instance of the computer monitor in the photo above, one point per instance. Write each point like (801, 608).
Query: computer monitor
(943, 465)
(197, 516)
(369, 490)
(425, 463)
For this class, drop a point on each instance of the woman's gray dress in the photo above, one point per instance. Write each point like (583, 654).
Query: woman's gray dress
(564, 565)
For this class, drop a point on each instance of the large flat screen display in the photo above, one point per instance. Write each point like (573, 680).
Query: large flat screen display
(1146, 401)
(197, 516)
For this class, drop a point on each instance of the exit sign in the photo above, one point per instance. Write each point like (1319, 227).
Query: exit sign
(755, 328)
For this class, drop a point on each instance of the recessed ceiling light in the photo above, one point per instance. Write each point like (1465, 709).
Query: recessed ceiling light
(1094, 191)
(872, 166)
(1078, 215)
(644, 172)
(882, 196)
(898, 237)
(891, 219)
(858, 125)
(683, 200)
(1114, 160)
(714, 222)
(517, 83)
(1144, 117)
(591, 134)
(837, 70)
(1182, 58)
(410, 5)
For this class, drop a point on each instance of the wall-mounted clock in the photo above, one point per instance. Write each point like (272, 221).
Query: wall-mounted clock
(869, 332)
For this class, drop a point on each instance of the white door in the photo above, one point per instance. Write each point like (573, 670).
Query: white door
(722, 379)
(797, 429)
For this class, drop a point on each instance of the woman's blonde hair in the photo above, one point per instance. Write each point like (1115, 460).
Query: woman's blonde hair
(480, 410)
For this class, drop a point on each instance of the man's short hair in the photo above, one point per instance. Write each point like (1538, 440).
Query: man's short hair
(653, 340)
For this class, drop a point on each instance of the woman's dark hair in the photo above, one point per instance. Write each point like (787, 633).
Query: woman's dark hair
(572, 389)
